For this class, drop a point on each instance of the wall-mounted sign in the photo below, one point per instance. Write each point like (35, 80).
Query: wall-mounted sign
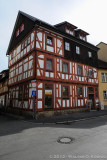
(48, 92)
(33, 93)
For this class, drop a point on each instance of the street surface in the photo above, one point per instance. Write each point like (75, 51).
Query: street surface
(25, 140)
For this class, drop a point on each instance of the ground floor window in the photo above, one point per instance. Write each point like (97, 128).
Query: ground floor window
(48, 95)
(23, 92)
(105, 95)
(65, 91)
(79, 92)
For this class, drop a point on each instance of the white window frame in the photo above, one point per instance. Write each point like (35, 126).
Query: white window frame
(105, 95)
(104, 77)
(89, 54)
(67, 46)
(77, 50)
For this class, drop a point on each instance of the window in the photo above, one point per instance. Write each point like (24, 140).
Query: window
(28, 41)
(90, 89)
(79, 92)
(80, 73)
(26, 92)
(49, 40)
(77, 50)
(49, 64)
(67, 46)
(89, 54)
(21, 27)
(90, 73)
(65, 91)
(25, 42)
(104, 77)
(17, 33)
(23, 92)
(22, 46)
(65, 67)
(105, 95)
(69, 30)
(48, 95)
(82, 37)
(20, 92)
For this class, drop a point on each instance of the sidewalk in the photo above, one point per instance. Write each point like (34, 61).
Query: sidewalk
(63, 119)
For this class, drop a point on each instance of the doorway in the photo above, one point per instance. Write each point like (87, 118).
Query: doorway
(91, 97)
(48, 98)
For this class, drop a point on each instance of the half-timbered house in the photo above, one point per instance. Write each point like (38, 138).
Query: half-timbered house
(56, 61)
(4, 77)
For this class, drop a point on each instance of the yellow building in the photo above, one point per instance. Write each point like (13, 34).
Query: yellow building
(102, 75)
(102, 53)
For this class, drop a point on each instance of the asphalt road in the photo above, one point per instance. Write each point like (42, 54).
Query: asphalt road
(24, 140)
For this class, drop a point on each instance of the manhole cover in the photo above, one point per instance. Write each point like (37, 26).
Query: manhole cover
(65, 140)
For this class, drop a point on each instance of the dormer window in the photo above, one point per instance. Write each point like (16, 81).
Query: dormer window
(49, 40)
(69, 30)
(83, 37)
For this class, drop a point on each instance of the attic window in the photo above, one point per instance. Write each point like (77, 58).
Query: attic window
(17, 32)
(69, 30)
(21, 28)
(82, 37)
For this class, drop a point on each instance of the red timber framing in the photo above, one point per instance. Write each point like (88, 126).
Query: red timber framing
(57, 73)
(57, 47)
(60, 103)
(28, 63)
(22, 49)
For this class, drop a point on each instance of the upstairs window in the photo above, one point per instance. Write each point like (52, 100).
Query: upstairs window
(80, 73)
(79, 92)
(49, 40)
(104, 77)
(77, 50)
(69, 30)
(67, 46)
(65, 67)
(49, 64)
(89, 54)
(105, 95)
(17, 32)
(65, 91)
(21, 28)
(90, 73)
(82, 37)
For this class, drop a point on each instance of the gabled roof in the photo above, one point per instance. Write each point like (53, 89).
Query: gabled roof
(65, 23)
(39, 22)
(81, 31)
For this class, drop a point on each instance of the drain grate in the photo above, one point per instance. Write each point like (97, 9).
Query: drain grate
(65, 140)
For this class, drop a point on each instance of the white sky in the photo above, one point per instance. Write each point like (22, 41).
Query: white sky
(89, 15)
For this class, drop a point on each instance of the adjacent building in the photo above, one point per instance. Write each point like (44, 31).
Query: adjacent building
(4, 76)
(102, 73)
(102, 53)
(55, 61)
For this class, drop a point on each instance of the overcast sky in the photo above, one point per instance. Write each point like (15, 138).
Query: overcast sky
(89, 15)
